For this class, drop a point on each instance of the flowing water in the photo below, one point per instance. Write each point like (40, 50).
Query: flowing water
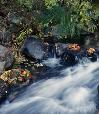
(74, 91)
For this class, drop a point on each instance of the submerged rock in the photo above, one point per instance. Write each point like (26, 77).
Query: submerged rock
(33, 48)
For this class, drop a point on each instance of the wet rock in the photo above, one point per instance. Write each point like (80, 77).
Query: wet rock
(97, 99)
(92, 57)
(12, 96)
(70, 55)
(33, 48)
(69, 58)
(74, 54)
(92, 54)
(4, 90)
(6, 58)
(98, 88)
(50, 41)
(60, 49)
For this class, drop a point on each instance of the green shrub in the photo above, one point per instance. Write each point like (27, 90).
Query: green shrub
(72, 16)
(22, 36)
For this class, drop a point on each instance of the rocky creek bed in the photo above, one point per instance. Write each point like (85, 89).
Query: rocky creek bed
(36, 64)
(37, 52)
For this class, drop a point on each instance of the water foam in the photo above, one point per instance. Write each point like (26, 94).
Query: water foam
(73, 92)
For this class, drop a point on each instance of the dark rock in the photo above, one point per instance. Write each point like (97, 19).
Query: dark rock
(14, 18)
(6, 57)
(51, 49)
(4, 90)
(97, 111)
(92, 40)
(33, 48)
(69, 53)
(98, 88)
(2, 14)
(54, 48)
(50, 39)
(92, 57)
(73, 55)
(70, 58)
(54, 30)
(92, 54)
(5, 37)
(60, 49)
(2, 65)
(5, 33)
(14, 80)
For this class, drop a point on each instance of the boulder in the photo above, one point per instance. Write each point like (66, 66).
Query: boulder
(6, 58)
(33, 48)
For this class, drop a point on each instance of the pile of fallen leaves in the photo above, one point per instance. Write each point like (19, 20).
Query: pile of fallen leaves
(90, 51)
(74, 47)
(16, 76)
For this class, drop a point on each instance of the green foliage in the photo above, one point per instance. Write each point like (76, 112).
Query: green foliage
(32, 4)
(50, 3)
(23, 34)
(72, 16)
(26, 3)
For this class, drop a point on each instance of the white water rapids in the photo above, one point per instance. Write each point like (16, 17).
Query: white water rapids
(74, 92)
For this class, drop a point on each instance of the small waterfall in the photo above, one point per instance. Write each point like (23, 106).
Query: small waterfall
(52, 48)
(52, 62)
(74, 92)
